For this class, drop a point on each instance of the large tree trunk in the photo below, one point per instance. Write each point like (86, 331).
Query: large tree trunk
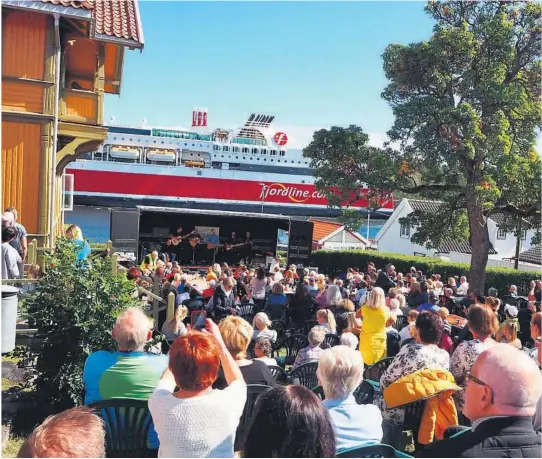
(479, 241)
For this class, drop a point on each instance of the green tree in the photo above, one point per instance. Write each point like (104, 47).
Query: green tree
(467, 109)
(73, 308)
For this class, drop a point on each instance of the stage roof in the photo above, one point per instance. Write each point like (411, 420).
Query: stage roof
(222, 213)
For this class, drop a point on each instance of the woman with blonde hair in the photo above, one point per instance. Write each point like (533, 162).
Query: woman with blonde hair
(333, 296)
(174, 327)
(344, 308)
(326, 319)
(261, 324)
(508, 333)
(374, 313)
(76, 235)
(237, 334)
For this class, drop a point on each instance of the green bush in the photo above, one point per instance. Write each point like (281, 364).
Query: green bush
(73, 308)
(331, 261)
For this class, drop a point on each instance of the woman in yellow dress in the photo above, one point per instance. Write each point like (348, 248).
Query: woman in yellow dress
(372, 339)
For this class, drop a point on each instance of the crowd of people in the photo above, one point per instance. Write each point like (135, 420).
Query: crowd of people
(481, 388)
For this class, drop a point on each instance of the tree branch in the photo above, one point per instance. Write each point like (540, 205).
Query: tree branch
(531, 211)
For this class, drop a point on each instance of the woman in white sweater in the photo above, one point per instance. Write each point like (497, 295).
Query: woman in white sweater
(197, 420)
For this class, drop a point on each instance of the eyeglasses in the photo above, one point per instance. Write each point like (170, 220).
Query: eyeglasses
(474, 379)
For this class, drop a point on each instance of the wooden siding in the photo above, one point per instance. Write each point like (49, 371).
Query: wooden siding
(21, 162)
(79, 106)
(23, 44)
(22, 97)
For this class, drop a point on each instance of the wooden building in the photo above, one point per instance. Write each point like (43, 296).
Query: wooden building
(59, 58)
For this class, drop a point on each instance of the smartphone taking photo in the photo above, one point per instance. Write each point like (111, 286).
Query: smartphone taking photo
(197, 320)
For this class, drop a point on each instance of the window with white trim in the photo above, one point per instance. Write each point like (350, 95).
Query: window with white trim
(501, 234)
(405, 231)
(523, 235)
(67, 192)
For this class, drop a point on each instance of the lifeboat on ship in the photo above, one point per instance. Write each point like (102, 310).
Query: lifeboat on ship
(124, 152)
(163, 155)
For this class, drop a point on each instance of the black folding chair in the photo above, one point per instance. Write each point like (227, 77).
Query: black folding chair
(319, 391)
(305, 375)
(286, 351)
(308, 325)
(127, 424)
(379, 450)
(393, 433)
(246, 311)
(330, 340)
(280, 327)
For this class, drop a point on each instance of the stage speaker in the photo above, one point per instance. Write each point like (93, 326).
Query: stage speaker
(125, 230)
(300, 242)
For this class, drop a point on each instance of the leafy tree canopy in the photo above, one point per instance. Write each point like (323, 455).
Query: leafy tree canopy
(467, 110)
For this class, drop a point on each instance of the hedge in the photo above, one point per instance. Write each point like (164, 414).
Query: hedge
(332, 261)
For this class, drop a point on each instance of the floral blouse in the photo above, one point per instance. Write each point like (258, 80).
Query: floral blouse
(411, 358)
(461, 362)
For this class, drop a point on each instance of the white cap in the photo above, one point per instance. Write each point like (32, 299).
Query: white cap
(511, 310)
(212, 283)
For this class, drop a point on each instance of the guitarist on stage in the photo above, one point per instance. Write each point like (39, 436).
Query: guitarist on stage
(231, 253)
(247, 248)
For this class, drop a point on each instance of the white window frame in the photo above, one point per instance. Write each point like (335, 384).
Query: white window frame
(404, 231)
(501, 234)
(523, 235)
(67, 192)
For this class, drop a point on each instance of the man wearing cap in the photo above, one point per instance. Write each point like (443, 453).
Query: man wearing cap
(210, 291)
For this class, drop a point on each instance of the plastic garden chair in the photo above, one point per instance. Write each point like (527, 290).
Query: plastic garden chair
(330, 340)
(375, 371)
(281, 377)
(127, 425)
(364, 393)
(378, 450)
(306, 374)
(286, 351)
(400, 323)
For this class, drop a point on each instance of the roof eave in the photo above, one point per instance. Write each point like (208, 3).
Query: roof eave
(48, 8)
(129, 43)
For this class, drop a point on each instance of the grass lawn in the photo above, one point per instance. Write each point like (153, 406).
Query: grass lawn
(13, 446)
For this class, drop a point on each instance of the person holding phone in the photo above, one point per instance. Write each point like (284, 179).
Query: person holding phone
(197, 420)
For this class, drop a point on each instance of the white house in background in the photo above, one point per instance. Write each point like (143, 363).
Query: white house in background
(331, 235)
(396, 238)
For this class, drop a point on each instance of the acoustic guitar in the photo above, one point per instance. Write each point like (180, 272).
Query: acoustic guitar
(176, 240)
(194, 241)
(233, 246)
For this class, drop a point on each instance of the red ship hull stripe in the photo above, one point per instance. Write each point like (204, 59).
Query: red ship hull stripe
(124, 183)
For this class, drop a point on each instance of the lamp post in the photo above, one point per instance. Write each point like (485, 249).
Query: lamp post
(264, 189)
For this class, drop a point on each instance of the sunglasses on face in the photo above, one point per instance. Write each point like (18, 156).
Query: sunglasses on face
(474, 379)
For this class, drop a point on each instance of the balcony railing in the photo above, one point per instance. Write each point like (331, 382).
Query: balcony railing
(80, 107)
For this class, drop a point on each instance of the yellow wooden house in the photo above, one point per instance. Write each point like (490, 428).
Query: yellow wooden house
(59, 58)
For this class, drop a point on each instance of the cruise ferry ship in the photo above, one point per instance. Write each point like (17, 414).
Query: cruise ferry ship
(250, 169)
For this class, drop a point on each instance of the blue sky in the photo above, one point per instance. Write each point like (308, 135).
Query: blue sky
(311, 64)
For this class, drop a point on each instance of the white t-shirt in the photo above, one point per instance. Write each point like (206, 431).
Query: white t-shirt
(258, 288)
(203, 426)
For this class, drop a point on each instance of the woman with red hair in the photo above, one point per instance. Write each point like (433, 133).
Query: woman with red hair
(197, 420)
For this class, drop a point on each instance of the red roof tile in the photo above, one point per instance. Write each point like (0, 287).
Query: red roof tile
(323, 228)
(114, 18)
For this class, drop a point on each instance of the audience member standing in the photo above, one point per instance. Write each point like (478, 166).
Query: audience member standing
(11, 261)
(384, 280)
(372, 339)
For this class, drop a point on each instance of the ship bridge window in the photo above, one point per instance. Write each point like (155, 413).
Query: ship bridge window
(282, 153)
(273, 152)
(225, 148)
(216, 147)
(245, 150)
(255, 151)
(263, 151)
(235, 149)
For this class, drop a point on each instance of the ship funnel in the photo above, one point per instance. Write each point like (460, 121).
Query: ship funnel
(199, 117)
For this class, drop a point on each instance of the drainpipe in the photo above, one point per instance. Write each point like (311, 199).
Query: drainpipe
(52, 174)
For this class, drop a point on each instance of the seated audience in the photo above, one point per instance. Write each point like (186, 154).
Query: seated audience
(261, 324)
(326, 319)
(276, 303)
(263, 349)
(452, 286)
(312, 352)
(443, 314)
(345, 307)
(494, 304)
(508, 333)
(361, 294)
(350, 340)
(513, 290)
(536, 334)
(431, 305)
(463, 288)
(372, 339)
(483, 324)
(424, 354)
(393, 340)
(395, 307)
(333, 297)
(289, 421)
(404, 334)
(237, 334)
(223, 300)
(418, 294)
(340, 372)
(174, 327)
(209, 291)
(194, 302)
(196, 420)
(301, 306)
(130, 372)
(77, 432)
(503, 388)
